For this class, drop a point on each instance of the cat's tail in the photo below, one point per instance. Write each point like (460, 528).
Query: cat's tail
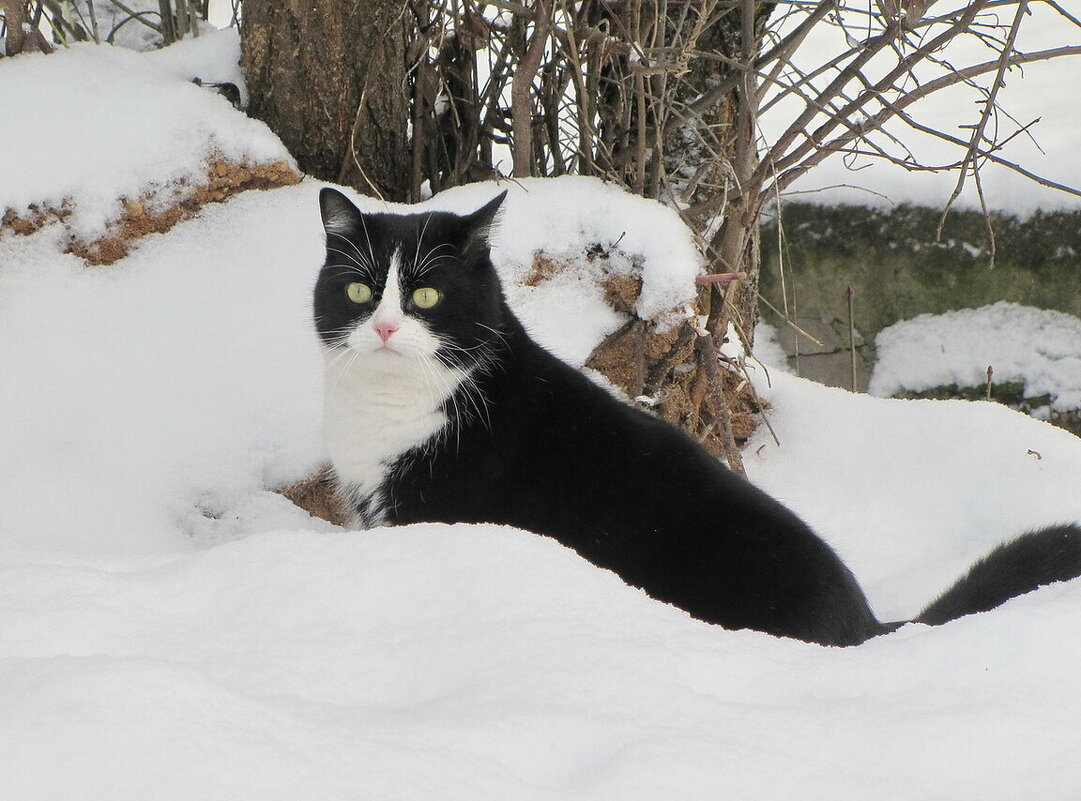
(1030, 561)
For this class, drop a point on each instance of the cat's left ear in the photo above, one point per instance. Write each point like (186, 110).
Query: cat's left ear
(339, 214)
(480, 223)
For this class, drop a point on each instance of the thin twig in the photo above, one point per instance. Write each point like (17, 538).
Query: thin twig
(970, 163)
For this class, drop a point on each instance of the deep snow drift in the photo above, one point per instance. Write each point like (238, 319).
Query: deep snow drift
(171, 628)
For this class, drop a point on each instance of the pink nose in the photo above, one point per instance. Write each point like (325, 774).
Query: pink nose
(385, 329)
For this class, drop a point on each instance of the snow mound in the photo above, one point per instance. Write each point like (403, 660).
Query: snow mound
(160, 398)
(465, 662)
(99, 124)
(1040, 348)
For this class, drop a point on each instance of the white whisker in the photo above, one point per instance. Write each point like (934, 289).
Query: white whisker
(431, 260)
(371, 252)
(362, 271)
(420, 241)
(360, 257)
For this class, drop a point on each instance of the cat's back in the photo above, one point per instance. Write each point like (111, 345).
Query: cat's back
(559, 455)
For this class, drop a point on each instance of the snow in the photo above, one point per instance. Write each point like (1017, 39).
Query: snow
(911, 492)
(1037, 347)
(171, 628)
(189, 329)
(474, 662)
(98, 124)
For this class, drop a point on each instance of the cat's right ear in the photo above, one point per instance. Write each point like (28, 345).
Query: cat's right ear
(339, 214)
(479, 224)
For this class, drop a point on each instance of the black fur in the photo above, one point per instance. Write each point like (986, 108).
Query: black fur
(358, 245)
(555, 454)
(1013, 568)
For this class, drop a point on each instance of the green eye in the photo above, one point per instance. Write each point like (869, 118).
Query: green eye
(426, 297)
(359, 293)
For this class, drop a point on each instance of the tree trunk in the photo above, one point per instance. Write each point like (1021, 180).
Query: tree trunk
(329, 78)
(15, 18)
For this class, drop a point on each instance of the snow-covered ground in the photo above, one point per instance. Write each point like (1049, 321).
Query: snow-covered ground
(171, 628)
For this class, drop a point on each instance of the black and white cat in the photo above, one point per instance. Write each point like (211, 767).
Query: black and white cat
(440, 408)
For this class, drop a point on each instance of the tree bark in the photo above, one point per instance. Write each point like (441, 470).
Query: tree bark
(329, 78)
(15, 17)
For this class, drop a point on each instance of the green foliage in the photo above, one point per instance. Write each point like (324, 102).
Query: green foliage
(1008, 393)
(1011, 393)
(898, 270)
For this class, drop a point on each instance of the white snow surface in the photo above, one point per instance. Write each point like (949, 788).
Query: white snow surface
(172, 629)
(1038, 347)
(99, 124)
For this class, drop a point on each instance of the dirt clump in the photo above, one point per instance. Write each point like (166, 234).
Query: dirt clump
(33, 219)
(657, 363)
(148, 215)
(316, 496)
(658, 368)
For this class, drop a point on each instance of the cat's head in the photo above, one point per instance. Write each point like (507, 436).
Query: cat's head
(415, 286)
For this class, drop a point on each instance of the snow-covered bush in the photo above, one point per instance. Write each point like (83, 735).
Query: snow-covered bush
(1036, 349)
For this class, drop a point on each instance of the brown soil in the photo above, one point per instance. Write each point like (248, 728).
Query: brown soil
(663, 367)
(223, 180)
(33, 219)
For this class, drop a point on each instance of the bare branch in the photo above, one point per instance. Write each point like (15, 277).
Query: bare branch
(782, 163)
(895, 108)
(970, 162)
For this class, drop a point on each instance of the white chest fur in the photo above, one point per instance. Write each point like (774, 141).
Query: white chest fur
(377, 407)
